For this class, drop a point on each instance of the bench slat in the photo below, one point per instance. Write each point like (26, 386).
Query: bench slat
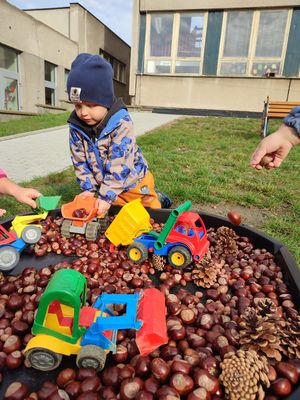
(283, 103)
(278, 114)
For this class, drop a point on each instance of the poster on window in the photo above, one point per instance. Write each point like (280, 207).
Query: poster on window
(11, 94)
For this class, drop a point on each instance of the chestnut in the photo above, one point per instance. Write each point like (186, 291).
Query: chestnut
(14, 359)
(11, 344)
(130, 388)
(204, 379)
(91, 383)
(65, 376)
(144, 395)
(199, 394)
(281, 387)
(289, 371)
(110, 376)
(73, 388)
(16, 391)
(234, 217)
(182, 383)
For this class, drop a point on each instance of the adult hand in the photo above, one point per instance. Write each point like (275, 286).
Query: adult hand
(273, 149)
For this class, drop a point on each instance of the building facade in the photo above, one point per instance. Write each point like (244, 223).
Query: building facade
(215, 54)
(37, 48)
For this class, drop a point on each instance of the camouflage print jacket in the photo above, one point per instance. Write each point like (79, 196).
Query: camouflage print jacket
(293, 119)
(106, 158)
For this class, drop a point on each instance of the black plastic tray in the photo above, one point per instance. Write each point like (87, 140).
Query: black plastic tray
(284, 259)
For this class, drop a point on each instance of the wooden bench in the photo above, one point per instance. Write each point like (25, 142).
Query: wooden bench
(275, 109)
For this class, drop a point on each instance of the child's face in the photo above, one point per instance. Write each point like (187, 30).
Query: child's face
(90, 113)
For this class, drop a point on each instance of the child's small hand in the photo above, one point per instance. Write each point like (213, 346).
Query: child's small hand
(2, 212)
(87, 194)
(27, 196)
(103, 206)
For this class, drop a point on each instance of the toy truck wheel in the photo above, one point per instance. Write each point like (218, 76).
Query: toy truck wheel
(179, 257)
(137, 252)
(43, 359)
(91, 356)
(31, 234)
(65, 228)
(92, 231)
(9, 258)
(104, 223)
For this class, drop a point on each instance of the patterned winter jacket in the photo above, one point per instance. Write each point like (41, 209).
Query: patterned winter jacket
(106, 158)
(293, 119)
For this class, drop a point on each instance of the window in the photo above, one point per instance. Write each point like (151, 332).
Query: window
(50, 85)
(118, 66)
(253, 42)
(270, 42)
(174, 43)
(66, 78)
(9, 79)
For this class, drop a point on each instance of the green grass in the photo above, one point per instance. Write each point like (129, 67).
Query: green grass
(34, 123)
(206, 160)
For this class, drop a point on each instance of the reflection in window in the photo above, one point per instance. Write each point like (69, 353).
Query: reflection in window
(49, 72)
(8, 59)
(233, 68)
(271, 33)
(187, 67)
(159, 67)
(238, 31)
(118, 66)
(9, 79)
(265, 68)
(190, 35)
(161, 35)
(50, 86)
(11, 94)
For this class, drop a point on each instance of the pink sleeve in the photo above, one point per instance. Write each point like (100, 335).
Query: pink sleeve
(2, 174)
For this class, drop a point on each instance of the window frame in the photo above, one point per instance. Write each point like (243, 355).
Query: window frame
(15, 75)
(51, 84)
(173, 58)
(251, 58)
(117, 66)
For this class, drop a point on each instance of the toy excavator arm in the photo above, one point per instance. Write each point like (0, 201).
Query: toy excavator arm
(19, 222)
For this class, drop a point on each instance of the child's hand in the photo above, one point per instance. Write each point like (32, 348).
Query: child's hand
(87, 194)
(26, 196)
(103, 206)
(2, 212)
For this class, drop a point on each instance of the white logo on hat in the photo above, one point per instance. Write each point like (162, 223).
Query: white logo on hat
(75, 94)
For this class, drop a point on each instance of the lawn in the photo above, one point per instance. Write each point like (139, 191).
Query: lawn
(33, 123)
(206, 160)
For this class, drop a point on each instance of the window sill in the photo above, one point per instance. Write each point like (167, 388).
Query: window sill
(217, 76)
(51, 107)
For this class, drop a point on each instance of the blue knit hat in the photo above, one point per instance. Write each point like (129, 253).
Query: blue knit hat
(91, 79)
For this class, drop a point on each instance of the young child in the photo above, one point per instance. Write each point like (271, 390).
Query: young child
(104, 152)
(23, 195)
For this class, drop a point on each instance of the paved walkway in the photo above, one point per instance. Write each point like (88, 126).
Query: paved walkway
(28, 155)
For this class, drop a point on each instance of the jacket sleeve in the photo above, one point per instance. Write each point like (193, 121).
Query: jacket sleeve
(293, 119)
(2, 174)
(83, 173)
(120, 168)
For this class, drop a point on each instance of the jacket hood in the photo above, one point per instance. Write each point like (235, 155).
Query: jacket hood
(94, 131)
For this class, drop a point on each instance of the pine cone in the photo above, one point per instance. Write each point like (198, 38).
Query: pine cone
(158, 262)
(244, 375)
(226, 242)
(259, 329)
(207, 271)
(290, 338)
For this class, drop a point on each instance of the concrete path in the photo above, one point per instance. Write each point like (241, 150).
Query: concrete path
(28, 155)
